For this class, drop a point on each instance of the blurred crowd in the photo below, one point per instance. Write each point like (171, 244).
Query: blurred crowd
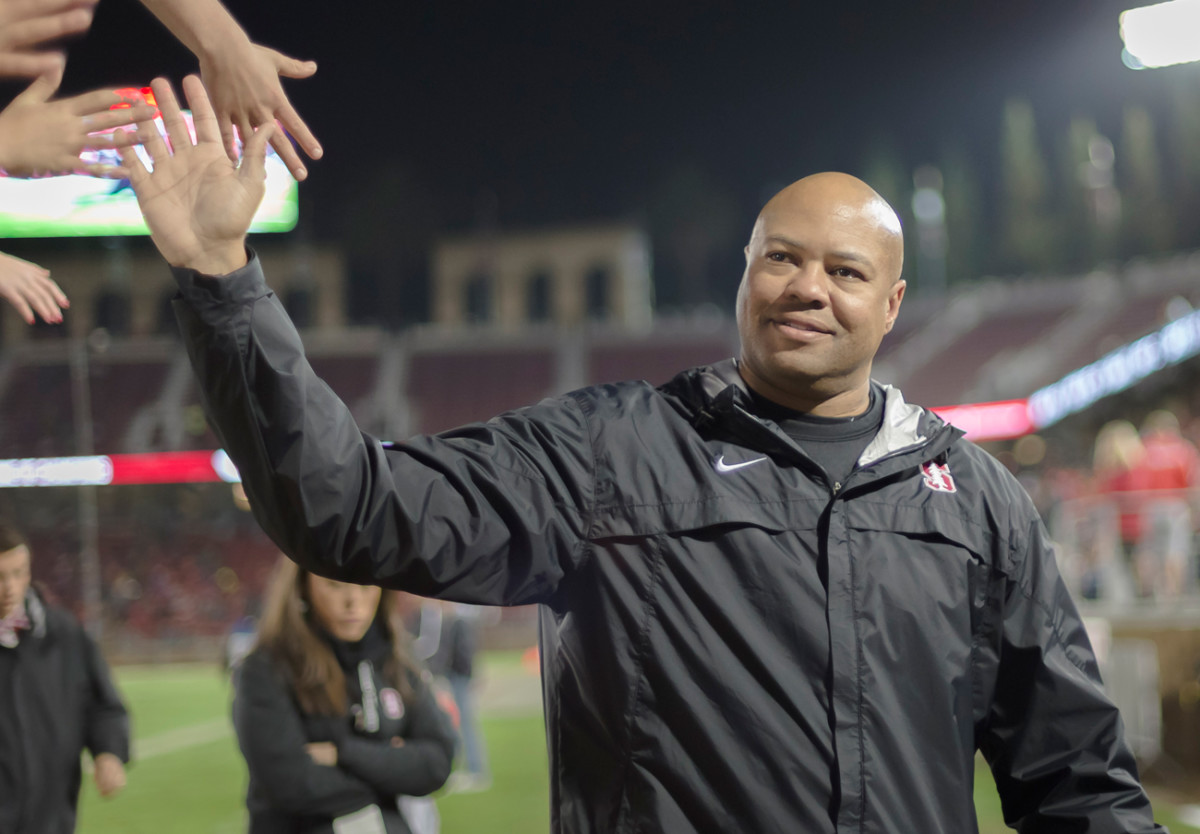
(1126, 527)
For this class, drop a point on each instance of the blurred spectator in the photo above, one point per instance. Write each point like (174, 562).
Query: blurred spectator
(1166, 562)
(454, 660)
(339, 729)
(1109, 529)
(239, 643)
(59, 698)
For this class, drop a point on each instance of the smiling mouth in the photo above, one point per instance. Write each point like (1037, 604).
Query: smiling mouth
(797, 330)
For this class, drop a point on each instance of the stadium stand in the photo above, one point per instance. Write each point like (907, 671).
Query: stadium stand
(656, 358)
(449, 387)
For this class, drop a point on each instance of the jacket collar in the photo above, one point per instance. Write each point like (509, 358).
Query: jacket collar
(35, 609)
(904, 426)
(719, 389)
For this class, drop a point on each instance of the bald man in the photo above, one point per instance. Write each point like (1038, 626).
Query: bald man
(775, 596)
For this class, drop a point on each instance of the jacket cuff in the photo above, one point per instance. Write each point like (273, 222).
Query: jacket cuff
(204, 292)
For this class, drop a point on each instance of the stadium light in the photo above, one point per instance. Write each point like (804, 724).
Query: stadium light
(989, 421)
(1161, 35)
(1117, 371)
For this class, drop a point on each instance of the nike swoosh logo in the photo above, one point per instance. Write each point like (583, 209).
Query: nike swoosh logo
(721, 466)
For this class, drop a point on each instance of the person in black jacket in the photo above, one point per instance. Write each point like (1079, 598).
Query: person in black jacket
(454, 660)
(335, 722)
(775, 596)
(58, 699)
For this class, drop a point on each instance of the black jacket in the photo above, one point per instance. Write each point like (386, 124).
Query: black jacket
(729, 642)
(56, 699)
(290, 794)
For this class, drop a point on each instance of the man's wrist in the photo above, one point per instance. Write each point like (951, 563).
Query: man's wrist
(220, 260)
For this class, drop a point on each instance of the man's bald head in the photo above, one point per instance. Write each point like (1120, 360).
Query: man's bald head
(848, 197)
(822, 286)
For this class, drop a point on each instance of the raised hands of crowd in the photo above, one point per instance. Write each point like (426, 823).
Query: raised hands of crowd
(246, 94)
(27, 25)
(44, 137)
(242, 78)
(29, 289)
(197, 203)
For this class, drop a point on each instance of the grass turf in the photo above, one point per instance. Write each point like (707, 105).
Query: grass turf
(190, 779)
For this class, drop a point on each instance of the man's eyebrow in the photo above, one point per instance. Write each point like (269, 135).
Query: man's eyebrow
(842, 255)
(856, 257)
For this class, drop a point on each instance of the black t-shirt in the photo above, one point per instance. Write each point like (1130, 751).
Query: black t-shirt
(833, 443)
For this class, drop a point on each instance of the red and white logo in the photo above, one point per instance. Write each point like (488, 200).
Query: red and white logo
(937, 477)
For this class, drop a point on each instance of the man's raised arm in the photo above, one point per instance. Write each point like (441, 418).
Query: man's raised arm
(494, 513)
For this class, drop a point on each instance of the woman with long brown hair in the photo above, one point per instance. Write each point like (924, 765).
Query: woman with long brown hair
(335, 721)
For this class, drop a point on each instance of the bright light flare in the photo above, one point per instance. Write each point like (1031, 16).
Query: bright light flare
(1161, 35)
(989, 421)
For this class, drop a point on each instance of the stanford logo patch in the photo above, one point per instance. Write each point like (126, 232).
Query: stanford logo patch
(937, 477)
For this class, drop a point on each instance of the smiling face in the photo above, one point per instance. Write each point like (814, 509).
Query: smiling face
(344, 610)
(821, 288)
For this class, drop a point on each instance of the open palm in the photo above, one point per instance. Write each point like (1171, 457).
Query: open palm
(197, 203)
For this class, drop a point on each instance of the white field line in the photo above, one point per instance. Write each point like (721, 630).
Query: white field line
(181, 738)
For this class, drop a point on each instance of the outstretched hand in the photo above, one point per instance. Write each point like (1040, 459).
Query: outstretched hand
(197, 202)
(243, 80)
(29, 289)
(39, 137)
(25, 24)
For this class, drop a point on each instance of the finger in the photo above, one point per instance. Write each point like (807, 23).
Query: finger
(26, 9)
(111, 119)
(108, 141)
(283, 147)
(228, 136)
(41, 89)
(294, 125)
(30, 64)
(135, 168)
(150, 139)
(43, 28)
(52, 287)
(254, 154)
(106, 171)
(245, 131)
(203, 117)
(291, 67)
(172, 116)
(18, 303)
(43, 304)
(94, 102)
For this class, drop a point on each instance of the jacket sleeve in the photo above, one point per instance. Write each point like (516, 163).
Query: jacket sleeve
(419, 767)
(492, 513)
(107, 723)
(1054, 740)
(271, 736)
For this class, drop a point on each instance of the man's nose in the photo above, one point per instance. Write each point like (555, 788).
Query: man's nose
(809, 284)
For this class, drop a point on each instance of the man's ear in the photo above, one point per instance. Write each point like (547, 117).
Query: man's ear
(895, 296)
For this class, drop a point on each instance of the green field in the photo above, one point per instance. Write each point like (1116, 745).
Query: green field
(189, 778)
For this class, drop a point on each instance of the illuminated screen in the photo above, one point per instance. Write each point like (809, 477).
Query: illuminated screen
(83, 206)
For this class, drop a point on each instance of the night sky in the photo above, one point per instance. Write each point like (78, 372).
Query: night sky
(440, 116)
